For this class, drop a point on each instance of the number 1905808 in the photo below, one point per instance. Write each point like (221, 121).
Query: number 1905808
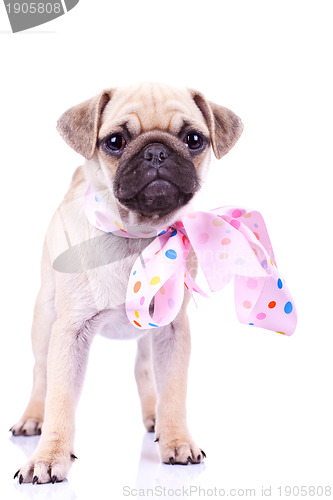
(302, 491)
(34, 8)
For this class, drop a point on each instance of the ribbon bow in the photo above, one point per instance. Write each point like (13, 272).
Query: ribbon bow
(228, 242)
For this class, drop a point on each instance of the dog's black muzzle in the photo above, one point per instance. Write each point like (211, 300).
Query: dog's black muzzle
(157, 179)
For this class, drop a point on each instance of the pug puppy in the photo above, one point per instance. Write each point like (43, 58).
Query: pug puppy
(149, 146)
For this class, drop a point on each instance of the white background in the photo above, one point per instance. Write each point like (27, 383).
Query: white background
(259, 403)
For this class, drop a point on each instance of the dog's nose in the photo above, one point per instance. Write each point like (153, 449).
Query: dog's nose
(155, 154)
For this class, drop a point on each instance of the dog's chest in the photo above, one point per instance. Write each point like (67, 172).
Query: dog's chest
(108, 279)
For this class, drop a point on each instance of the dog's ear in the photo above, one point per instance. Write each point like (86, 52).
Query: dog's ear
(79, 125)
(224, 126)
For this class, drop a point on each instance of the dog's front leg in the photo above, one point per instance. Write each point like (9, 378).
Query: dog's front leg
(66, 365)
(171, 353)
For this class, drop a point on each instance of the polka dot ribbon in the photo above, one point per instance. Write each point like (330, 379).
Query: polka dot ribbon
(229, 242)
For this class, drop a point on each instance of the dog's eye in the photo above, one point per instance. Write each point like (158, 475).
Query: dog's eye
(193, 141)
(116, 143)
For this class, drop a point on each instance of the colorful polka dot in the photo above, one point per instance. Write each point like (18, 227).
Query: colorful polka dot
(153, 324)
(203, 238)
(162, 232)
(171, 254)
(155, 280)
(239, 261)
(288, 308)
(174, 233)
(218, 222)
(279, 283)
(137, 324)
(272, 304)
(226, 241)
(134, 273)
(236, 213)
(247, 304)
(256, 235)
(136, 314)
(171, 303)
(183, 239)
(162, 290)
(255, 251)
(264, 264)
(96, 198)
(261, 316)
(137, 287)
(191, 215)
(235, 223)
(252, 283)
(118, 224)
(142, 301)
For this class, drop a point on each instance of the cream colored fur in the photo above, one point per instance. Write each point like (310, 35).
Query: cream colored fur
(72, 307)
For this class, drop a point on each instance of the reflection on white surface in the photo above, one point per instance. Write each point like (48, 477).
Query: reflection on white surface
(45, 491)
(27, 445)
(152, 473)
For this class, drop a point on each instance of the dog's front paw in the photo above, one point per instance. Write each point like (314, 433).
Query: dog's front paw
(45, 467)
(180, 451)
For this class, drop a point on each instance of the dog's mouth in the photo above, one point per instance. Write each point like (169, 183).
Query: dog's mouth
(155, 181)
(158, 197)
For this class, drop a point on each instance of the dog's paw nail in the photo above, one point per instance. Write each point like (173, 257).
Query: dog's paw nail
(172, 461)
(199, 458)
(53, 479)
(35, 479)
(21, 479)
(13, 432)
(73, 457)
(156, 440)
(39, 431)
(16, 474)
(189, 459)
(203, 454)
(24, 432)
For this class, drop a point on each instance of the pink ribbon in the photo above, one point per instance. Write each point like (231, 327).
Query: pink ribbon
(228, 242)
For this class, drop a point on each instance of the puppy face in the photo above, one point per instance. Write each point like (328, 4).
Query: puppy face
(149, 144)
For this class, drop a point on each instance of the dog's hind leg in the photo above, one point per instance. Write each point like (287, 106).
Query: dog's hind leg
(145, 381)
(44, 316)
(171, 353)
